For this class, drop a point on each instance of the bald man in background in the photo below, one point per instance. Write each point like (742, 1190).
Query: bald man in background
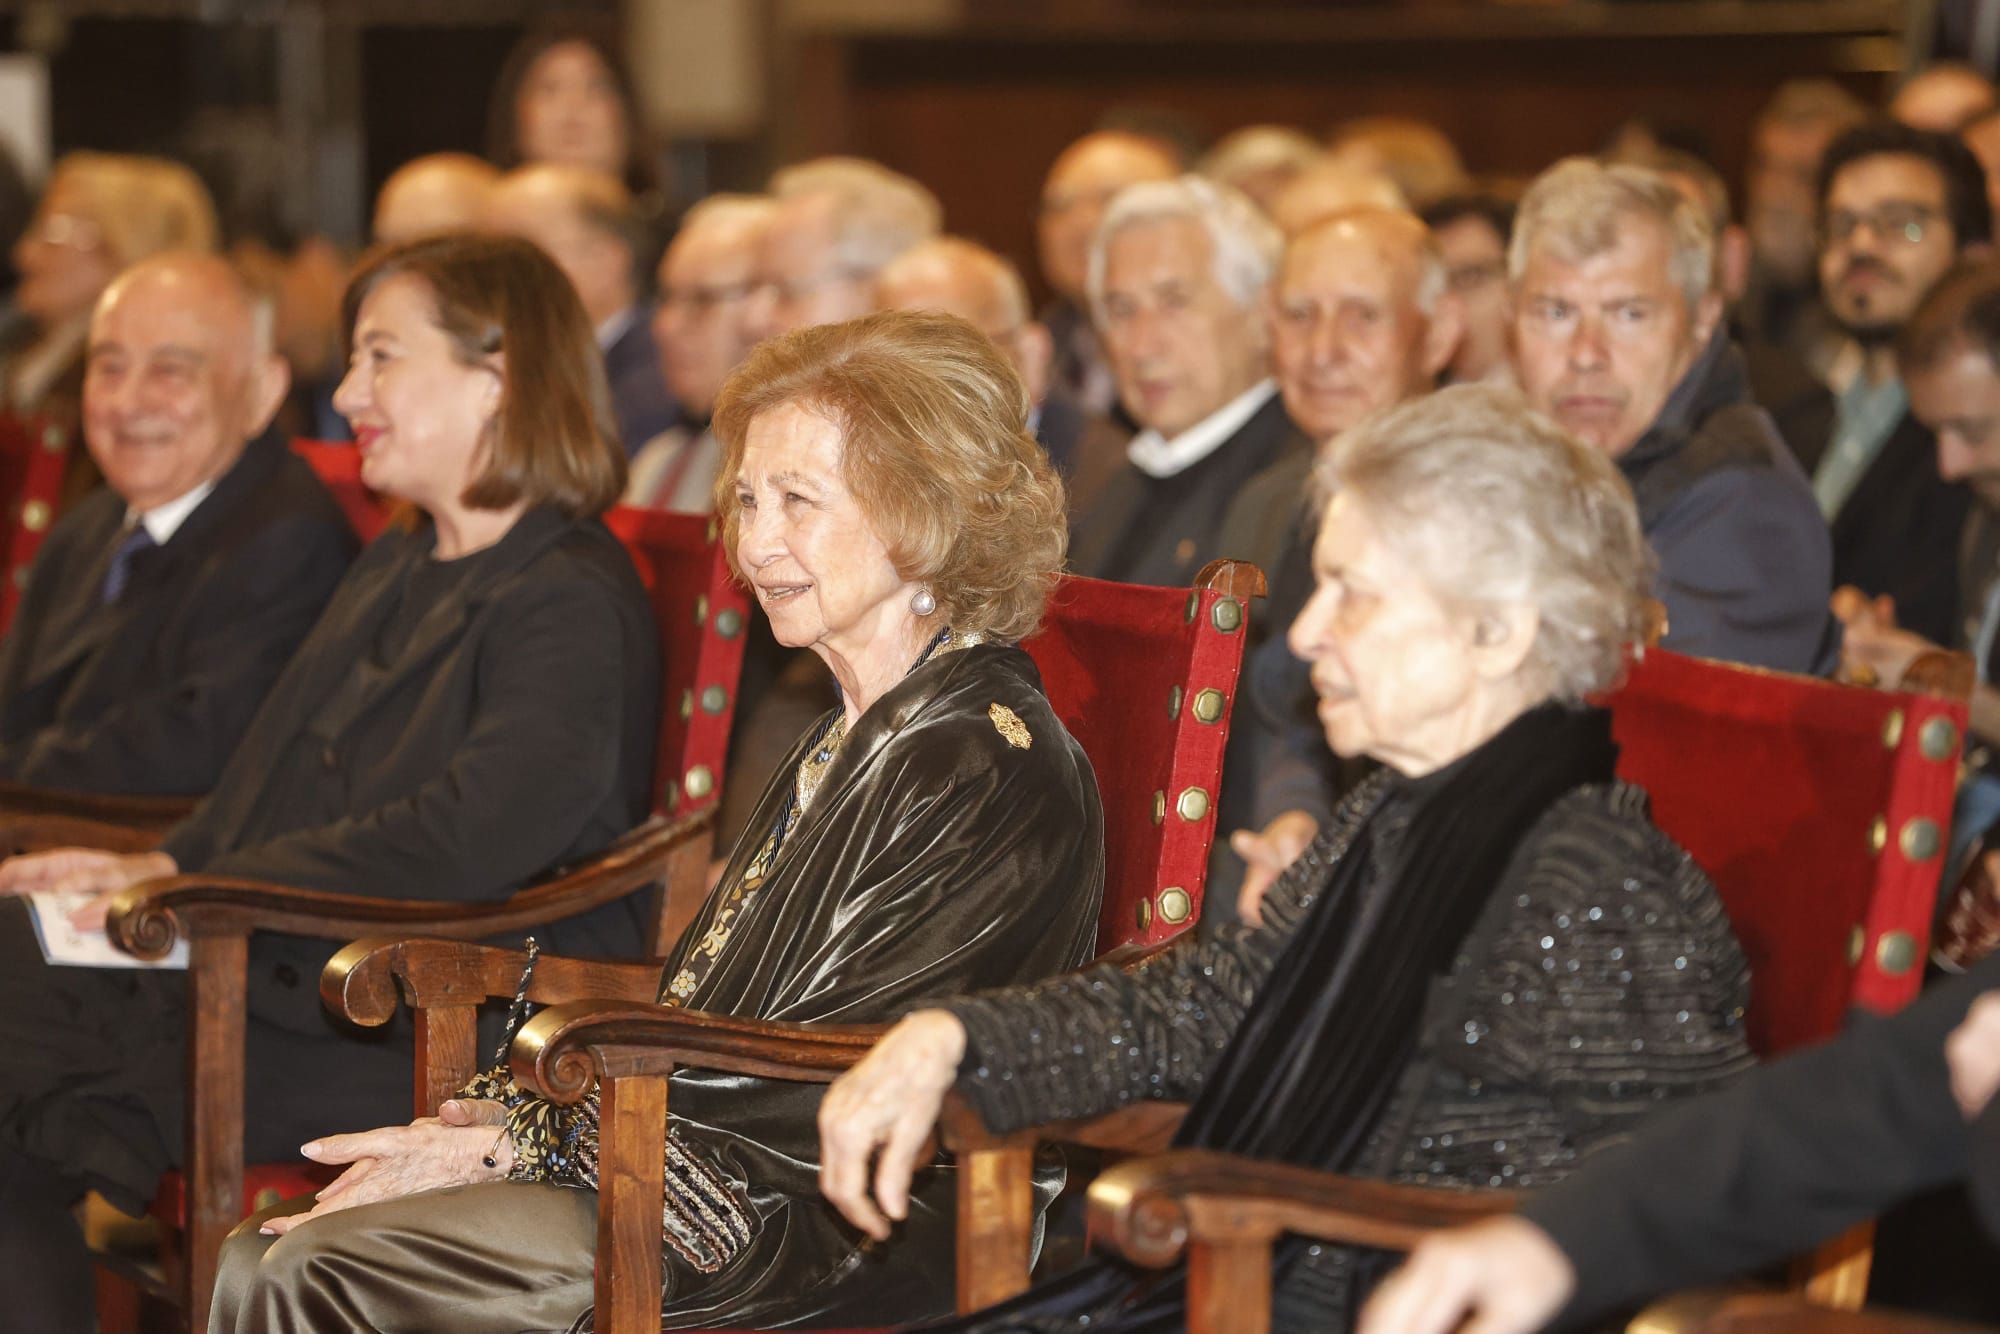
(1943, 97)
(439, 192)
(164, 604)
(587, 223)
(704, 327)
(964, 278)
(1079, 187)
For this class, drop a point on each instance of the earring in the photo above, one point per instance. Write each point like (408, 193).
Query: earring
(923, 604)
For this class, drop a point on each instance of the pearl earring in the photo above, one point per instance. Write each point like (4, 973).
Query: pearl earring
(923, 604)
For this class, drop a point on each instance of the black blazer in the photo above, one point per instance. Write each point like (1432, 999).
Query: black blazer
(1794, 1153)
(640, 399)
(150, 695)
(1898, 532)
(514, 732)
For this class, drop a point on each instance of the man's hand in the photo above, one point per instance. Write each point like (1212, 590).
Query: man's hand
(1500, 1276)
(443, 1150)
(1267, 853)
(1973, 1054)
(1874, 650)
(888, 1101)
(85, 872)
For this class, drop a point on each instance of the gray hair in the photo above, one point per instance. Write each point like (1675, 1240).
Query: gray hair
(737, 210)
(1575, 209)
(1246, 245)
(1493, 503)
(878, 213)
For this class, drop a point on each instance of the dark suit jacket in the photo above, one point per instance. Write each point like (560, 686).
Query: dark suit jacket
(1794, 1153)
(639, 395)
(514, 732)
(1898, 531)
(151, 694)
(1088, 450)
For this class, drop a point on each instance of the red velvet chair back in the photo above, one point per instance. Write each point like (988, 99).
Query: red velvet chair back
(1145, 679)
(1820, 811)
(338, 465)
(33, 456)
(702, 612)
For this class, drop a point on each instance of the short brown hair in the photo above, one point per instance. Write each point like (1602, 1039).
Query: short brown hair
(552, 441)
(935, 447)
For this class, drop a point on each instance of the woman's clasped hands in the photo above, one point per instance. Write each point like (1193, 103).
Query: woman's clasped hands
(449, 1149)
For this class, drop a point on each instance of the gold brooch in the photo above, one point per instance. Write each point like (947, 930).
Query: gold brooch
(1009, 724)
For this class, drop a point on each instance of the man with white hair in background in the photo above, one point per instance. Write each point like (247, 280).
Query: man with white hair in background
(1619, 336)
(1178, 275)
(703, 328)
(964, 278)
(838, 222)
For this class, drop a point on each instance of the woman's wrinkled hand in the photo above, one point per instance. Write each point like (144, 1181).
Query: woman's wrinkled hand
(1972, 1052)
(1266, 853)
(1500, 1276)
(1874, 649)
(889, 1102)
(434, 1151)
(88, 873)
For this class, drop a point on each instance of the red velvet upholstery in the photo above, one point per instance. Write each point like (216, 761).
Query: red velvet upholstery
(1820, 810)
(1126, 668)
(33, 456)
(338, 464)
(702, 612)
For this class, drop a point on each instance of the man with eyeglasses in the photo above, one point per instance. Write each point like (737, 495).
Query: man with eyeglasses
(1896, 207)
(703, 328)
(838, 222)
(1619, 336)
(964, 278)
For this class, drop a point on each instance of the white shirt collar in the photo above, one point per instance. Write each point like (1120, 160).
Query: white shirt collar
(1157, 456)
(614, 328)
(163, 521)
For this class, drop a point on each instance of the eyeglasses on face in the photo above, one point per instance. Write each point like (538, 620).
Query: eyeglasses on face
(1898, 223)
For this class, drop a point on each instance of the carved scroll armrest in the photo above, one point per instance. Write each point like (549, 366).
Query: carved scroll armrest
(1240, 579)
(31, 832)
(1149, 1209)
(365, 981)
(562, 1052)
(1946, 673)
(154, 813)
(1144, 1127)
(146, 919)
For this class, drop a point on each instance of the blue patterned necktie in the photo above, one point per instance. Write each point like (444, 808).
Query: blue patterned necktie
(120, 573)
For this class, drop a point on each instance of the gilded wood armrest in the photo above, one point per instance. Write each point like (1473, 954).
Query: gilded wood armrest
(1946, 673)
(1149, 1209)
(1144, 1127)
(24, 832)
(155, 813)
(1239, 579)
(1751, 1311)
(562, 1052)
(368, 978)
(146, 919)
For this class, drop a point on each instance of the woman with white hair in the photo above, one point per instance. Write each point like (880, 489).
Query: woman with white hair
(1490, 960)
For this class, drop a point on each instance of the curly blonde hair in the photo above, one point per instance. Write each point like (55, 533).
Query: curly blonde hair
(936, 449)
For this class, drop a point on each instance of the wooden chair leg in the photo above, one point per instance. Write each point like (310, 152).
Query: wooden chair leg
(996, 1225)
(1229, 1287)
(217, 971)
(631, 1186)
(447, 1052)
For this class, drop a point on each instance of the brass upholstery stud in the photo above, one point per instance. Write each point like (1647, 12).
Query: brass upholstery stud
(1159, 807)
(1174, 697)
(1208, 705)
(1175, 905)
(1896, 952)
(53, 439)
(729, 622)
(1920, 839)
(1193, 605)
(700, 610)
(1937, 739)
(1857, 941)
(713, 529)
(1878, 834)
(1192, 804)
(700, 782)
(714, 699)
(672, 796)
(35, 515)
(1892, 729)
(1227, 616)
(687, 704)
(1145, 914)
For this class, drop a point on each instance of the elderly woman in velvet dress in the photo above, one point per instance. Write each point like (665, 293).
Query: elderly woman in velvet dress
(1490, 961)
(936, 832)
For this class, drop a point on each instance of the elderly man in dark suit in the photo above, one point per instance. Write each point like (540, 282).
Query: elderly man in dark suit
(586, 222)
(164, 605)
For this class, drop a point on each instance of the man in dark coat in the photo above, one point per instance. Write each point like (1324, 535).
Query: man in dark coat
(1617, 335)
(165, 604)
(1896, 207)
(1793, 1154)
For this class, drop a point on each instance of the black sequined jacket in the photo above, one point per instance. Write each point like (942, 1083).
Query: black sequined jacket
(1601, 980)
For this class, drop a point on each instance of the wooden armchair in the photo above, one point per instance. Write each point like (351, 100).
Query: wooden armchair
(692, 590)
(1145, 678)
(34, 455)
(337, 463)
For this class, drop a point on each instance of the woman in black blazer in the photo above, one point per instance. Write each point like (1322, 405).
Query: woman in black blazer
(477, 705)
